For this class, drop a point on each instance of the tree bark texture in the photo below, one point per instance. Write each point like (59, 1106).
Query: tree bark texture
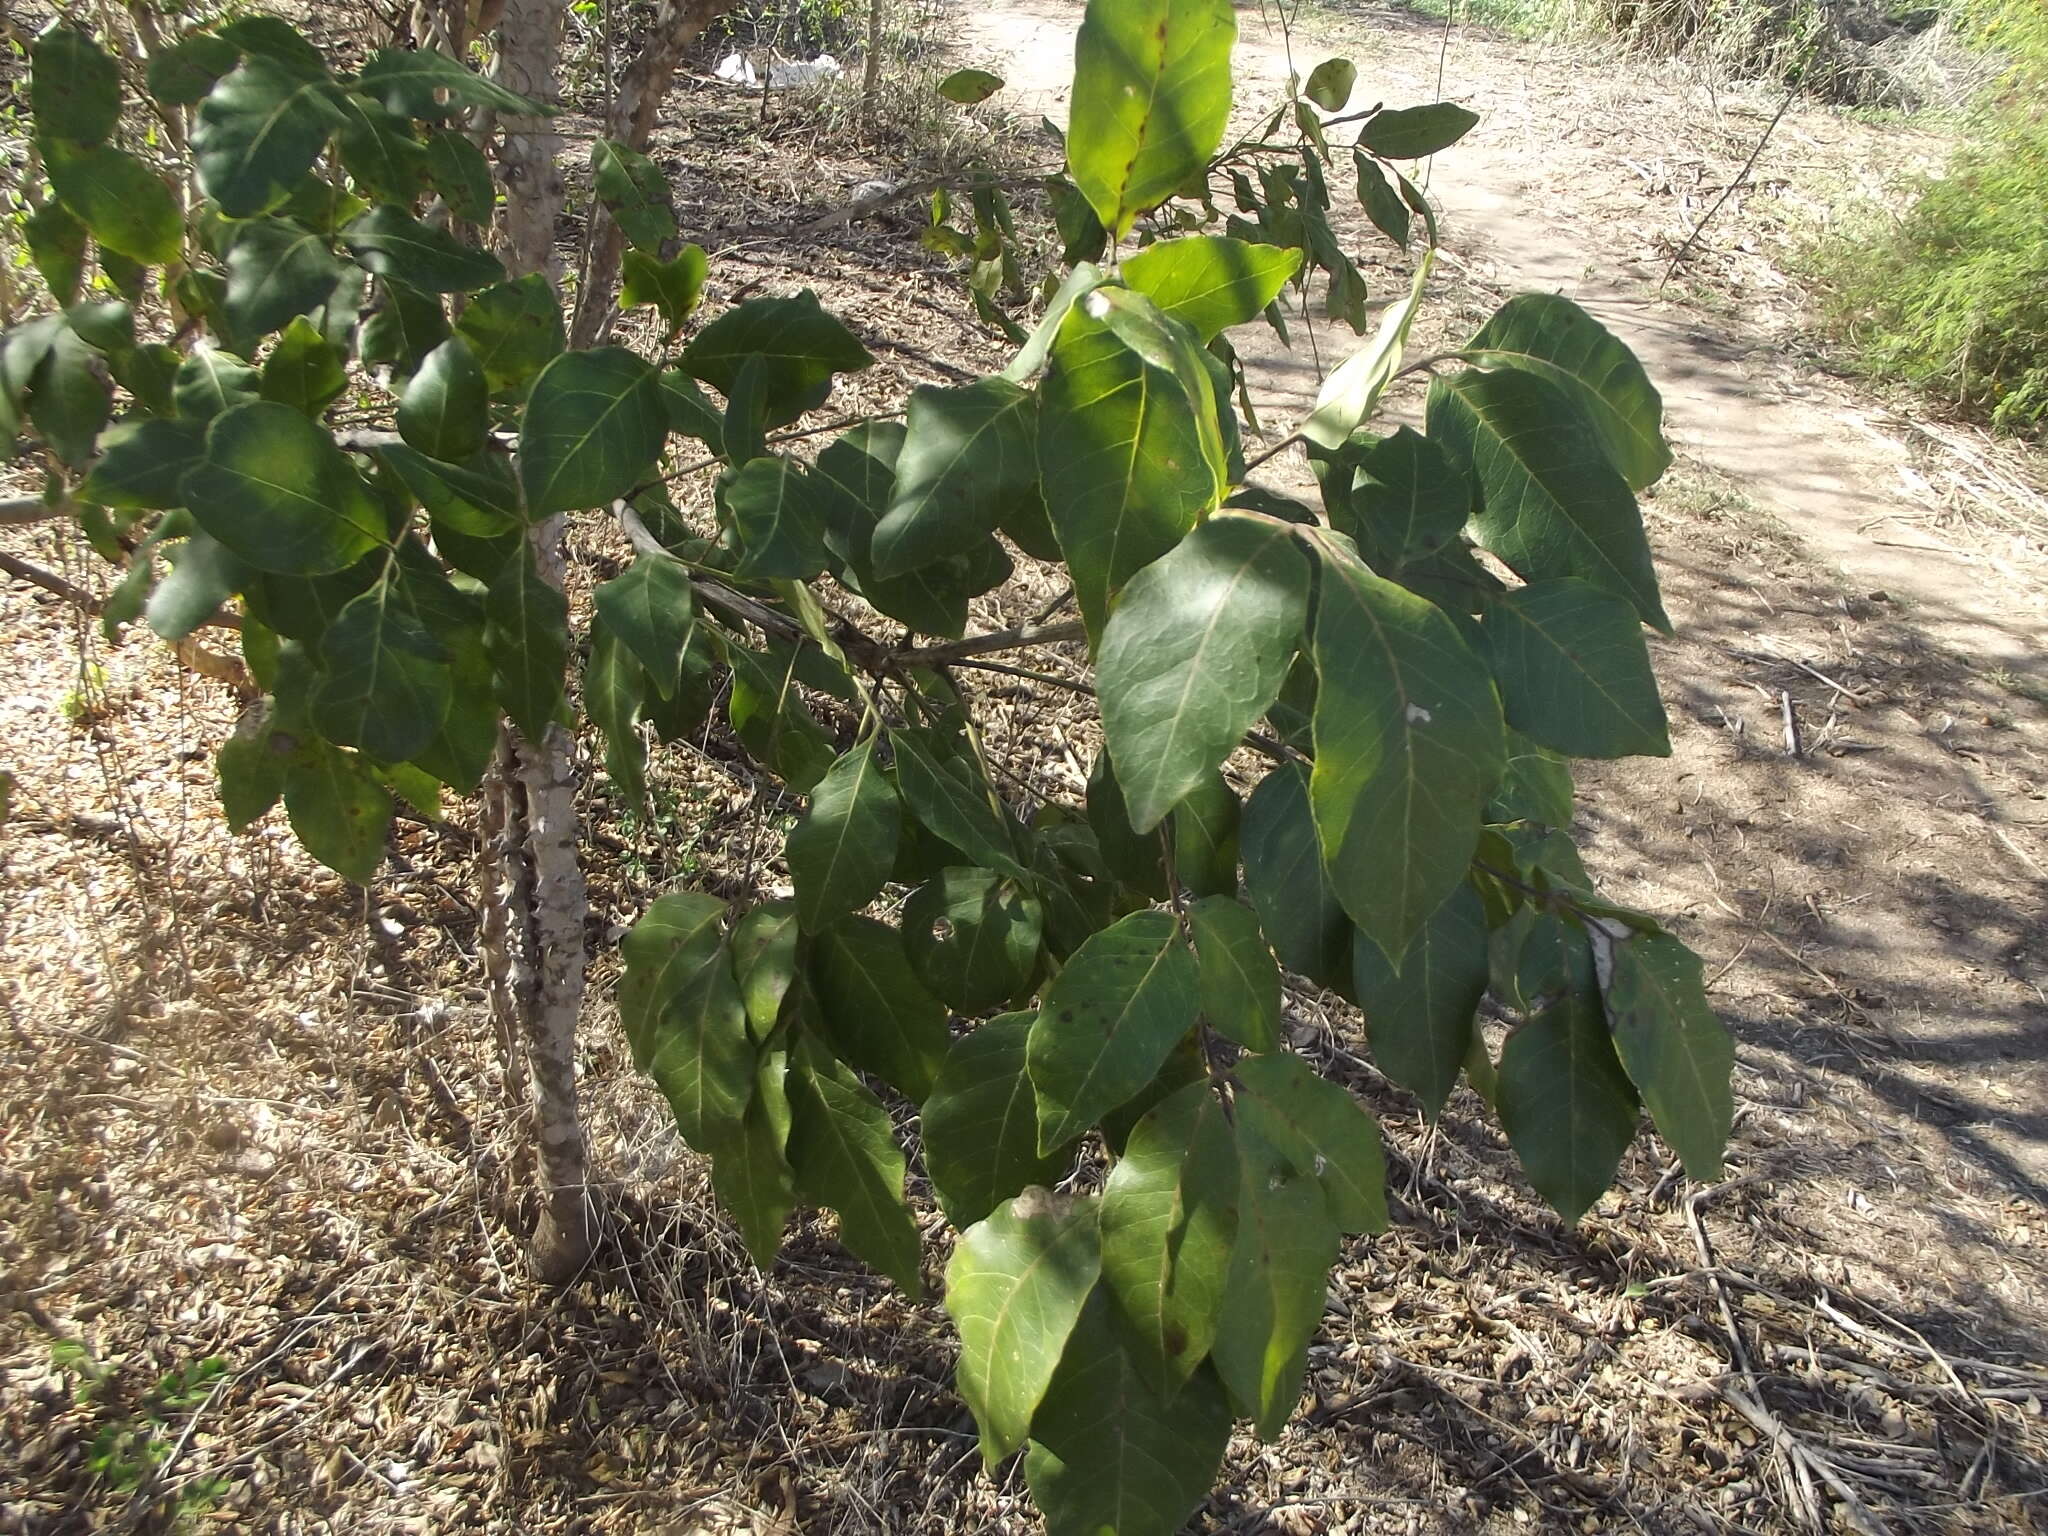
(631, 119)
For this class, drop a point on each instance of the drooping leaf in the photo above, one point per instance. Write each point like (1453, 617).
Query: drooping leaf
(404, 326)
(950, 806)
(674, 287)
(1015, 1287)
(1289, 886)
(251, 770)
(750, 1172)
(1151, 95)
(56, 243)
(1565, 1102)
(1409, 745)
(1194, 653)
(615, 690)
(800, 348)
(305, 370)
(203, 576)
(392, 243)
(594, 426)
(1420, 1010)
(338, 810)
(1129, 454)
(526, 636)
(1411, 133)
(773, 722)
(690, 1030)
(650, 608)
(515, 329)
(777, 516)
(387, 684)
(841, 853)
(673, 939)
(1211, 282)
(1108, 1453)
(767, 959)
(980, 1123)
(1320, 1128)
(1169, 1222)
(1205, 838)
(1551, 503)
(276, 269)
(1574, 672)
(445, 410)
(878, 1014)
(424, 83)
(1279, 1273)
(460, 174)
(1551, 336)
(633, 188)
(1107, 1022)
(969, 86)
(973, 937)
(968, 461)
(1382, 204)
(1677, 1053)
(258, 132)
(74, 86)
(1238, 983)
(844, 1151)
(1398, 497)
(275, 489)
(383, 159)
(126, 205)
(1346, 400)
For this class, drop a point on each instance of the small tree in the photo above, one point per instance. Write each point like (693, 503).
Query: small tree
(1414, 664)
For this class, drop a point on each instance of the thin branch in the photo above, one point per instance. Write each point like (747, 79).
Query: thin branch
(1729, 191)
(1014, 639)
(36, 576)
(31, 509)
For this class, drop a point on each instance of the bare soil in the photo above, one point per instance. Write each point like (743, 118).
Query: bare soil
(253, 1113)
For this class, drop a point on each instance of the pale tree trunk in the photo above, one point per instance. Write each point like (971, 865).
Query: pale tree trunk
(631, 119)
(535, 900)
(871, 66)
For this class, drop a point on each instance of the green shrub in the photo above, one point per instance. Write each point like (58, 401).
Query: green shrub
(1953, 296)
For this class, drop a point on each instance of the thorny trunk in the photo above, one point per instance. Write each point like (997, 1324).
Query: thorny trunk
(534, 896)
(677, 24)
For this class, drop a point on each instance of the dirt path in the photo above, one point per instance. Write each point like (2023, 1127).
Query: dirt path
(1809, 454)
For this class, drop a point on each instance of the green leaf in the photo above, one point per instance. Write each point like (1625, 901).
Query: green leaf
(74, 87)
(56, 243)
(841, 853)
(387, 685)
(877, 1013)
(393, 244)
(638, 195)
(1574, 672)
(614, 692)
(1238, 984)
(799, 346)
(305, 370)
(258, 132)
(1151, 95)
(969, 86)
(767, 952)
(526, 636)
(1211, 282)
(1382, 204)
(844, 1151)
(383, 159)
(1110, 1454)
(515, 329)
(338, 810)
(1330, 84)
(1420, 1010)
(1551, 504)
(950, 806)
(275, 489)
(426, 84)
(1129, 452)
(1169, 1222)
(1205, 838)
(651, 609)
(182, 74)
(691, 1033)
(1321, 1130)
(973, 938)
(1552, 337)
(1279, 1274)
(210, 381)
(276, 269)
(126, 205)
(1015, 1286)
(251, 770)
(750, 1173)
(1412, 133)
(1536, 786)
(778, 516)
(1565, 1103)
(461, 175)
(403, 327)
(671, 942)
(70, 396)
(1108, 1022)
(445, 411)
(1398, 497)
(771, 719)
(1346, 400)
(1674, 1049)
(594, 426)
(1289, 886)
(968, 462)
(980, 1123)
(277, 40)
(1194, 653)
(1408, 746)
(673, 287)
(203, 576)
(142, 463)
